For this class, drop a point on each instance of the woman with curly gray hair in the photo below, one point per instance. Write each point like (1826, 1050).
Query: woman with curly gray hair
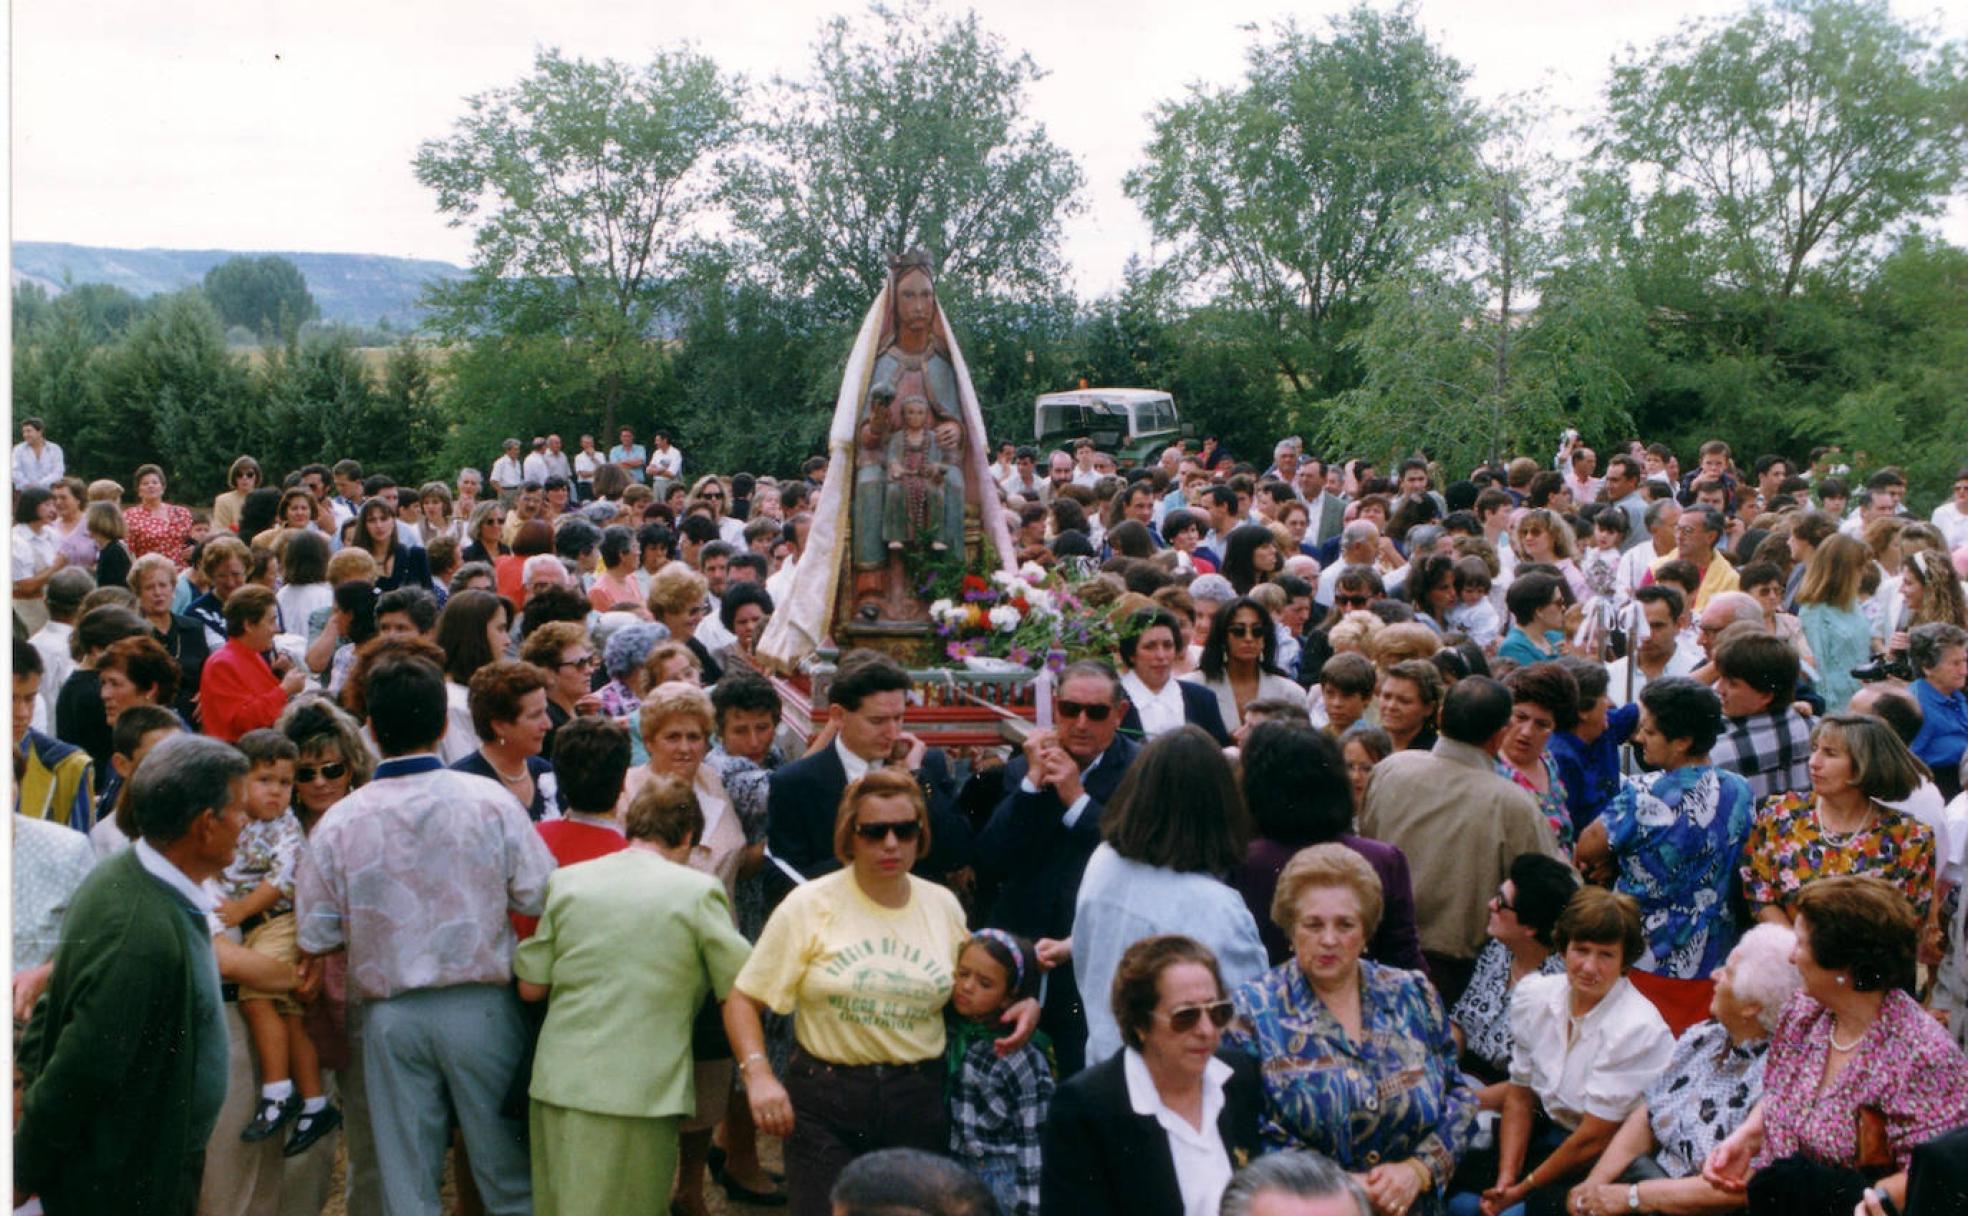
(1709, 1085)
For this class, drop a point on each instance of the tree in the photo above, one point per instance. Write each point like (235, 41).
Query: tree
(1494, 332)
(267, 295)
(908, 134)
(171, 393)
(585, 181)
(1798, 134)
(1284, 197)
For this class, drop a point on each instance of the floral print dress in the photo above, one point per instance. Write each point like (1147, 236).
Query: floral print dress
(1553, 802)
(1788, 848)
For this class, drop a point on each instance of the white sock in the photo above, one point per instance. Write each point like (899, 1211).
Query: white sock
(313, 1106)
(277, 1091)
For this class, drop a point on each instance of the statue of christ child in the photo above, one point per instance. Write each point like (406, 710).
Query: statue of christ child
(925, 492)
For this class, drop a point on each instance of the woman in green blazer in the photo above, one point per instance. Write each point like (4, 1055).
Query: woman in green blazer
(627, 949)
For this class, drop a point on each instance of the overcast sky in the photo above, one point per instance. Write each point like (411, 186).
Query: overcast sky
(272, 124)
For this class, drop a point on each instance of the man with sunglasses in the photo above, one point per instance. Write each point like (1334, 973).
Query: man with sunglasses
(865, 707)
(1039, 838)
(1359, 546)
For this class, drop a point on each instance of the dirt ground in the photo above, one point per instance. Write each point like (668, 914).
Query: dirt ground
(714, 1199)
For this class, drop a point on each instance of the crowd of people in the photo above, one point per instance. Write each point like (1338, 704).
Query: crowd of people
(1552, 836)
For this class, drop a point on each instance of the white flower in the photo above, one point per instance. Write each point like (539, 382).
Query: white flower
(1004, 618)
(940, 610)
(1042, 602)
(1001, 578)
(1032, 572)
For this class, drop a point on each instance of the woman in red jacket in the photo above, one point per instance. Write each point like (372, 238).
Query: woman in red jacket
(239, 692)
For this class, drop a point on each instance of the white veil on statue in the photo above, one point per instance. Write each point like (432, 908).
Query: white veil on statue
(800, 623)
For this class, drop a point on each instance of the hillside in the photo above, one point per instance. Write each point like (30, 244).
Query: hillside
(351, 288)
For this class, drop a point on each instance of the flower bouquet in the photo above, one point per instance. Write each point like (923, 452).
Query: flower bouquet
(1027, 619)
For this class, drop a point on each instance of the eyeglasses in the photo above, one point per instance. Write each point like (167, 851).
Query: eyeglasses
(586, 662)
(1183, 1018)
(1092, 711)
(327, 772)
(874, 833)
(1246, 631)
(1503, 904)
(1350, 601)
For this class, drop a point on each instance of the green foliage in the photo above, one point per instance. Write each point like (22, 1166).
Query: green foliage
(321, 398)
(911, 132)
(1796, 135)
(265, 295)
(756, 375)
(1282, 196)
(583, 181)
(1357, 254)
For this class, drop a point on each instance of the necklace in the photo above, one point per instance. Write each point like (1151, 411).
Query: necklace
(519, 780)
(1840, 838)
(1844, 1048)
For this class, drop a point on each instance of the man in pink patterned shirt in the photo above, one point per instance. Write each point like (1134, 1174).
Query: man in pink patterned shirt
(414, 875)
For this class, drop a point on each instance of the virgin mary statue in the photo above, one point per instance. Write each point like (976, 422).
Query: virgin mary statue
(904, 360)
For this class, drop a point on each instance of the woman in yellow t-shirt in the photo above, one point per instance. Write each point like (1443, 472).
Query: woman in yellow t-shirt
(866, 958)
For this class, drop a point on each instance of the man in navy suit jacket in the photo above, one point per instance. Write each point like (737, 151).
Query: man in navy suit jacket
(865, 708)
(1039, 838)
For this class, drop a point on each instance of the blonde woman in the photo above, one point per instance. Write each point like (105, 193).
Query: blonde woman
(242, 479)
(1828, 609)
(679, 600)
(676, 723)
(1544, 536)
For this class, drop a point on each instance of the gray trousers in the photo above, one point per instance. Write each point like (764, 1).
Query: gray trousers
(428, 1055)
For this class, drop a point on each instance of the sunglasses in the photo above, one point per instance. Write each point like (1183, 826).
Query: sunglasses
(586, 662)
(1183, 1018)
(327, 772)
(1350, 601)
(1092, 711)
(874, 833)
(1246, 631)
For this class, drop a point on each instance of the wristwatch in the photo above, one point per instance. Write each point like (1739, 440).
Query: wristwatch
(1633, 1197)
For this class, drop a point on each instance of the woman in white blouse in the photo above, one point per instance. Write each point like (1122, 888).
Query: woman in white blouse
(1157, 701)
(1585, 1046)
(36, 555)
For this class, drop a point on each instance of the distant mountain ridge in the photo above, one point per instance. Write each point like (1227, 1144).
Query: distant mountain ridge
(350, 288)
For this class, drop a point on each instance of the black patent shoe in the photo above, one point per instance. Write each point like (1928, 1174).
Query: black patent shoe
(272, 1117)
(310, 1128)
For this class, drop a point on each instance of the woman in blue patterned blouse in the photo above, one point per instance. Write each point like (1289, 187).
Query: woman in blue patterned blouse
(1671, 839)
(1358, 1060)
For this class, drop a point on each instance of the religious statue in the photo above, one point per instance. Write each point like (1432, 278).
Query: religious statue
(907, 472)
(924, 500)
(911, 366)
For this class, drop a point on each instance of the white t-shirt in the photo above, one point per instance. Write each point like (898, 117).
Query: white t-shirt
(666, 463)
